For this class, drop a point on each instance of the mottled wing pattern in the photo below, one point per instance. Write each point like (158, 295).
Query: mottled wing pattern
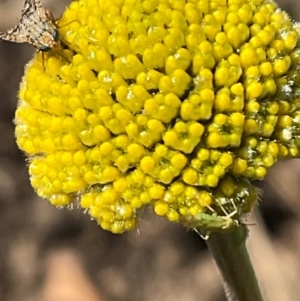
(30, 6)
(33, 6)
(17, 34)
(13, 35)
(34, 22)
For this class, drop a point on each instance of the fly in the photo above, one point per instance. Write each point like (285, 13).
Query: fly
(36, 27)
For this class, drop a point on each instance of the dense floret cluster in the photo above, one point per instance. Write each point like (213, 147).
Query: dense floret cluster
(176, 104)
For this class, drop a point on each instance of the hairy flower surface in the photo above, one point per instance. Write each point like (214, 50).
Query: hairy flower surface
(175, 104)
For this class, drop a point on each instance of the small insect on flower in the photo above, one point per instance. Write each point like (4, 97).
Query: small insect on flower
(213, 223)
(36, 27)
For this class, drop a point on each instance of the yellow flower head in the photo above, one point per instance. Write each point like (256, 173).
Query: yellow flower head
(176, 104)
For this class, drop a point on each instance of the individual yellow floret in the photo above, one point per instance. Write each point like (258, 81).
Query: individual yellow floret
(135, 188)
(198, 106)
(288, 102)
(175, 36)
(181, 200)
(184, 136)
(122, 150)
(178, 82)
(203, 57)
(111, 211)
(236, 31)
(145, 130)
(110, 80)
(179, 60)
(58, 200)
(203, 80)
(132, 97)
(128, 67)
(164, 165)
(90, 94)
(287, 129)
(207, 168)
(149, 80)
(94, 134)
(230, 99)
(254, 90)
(228, 72)
(154, 57)
(101, 167)
(248, 56)
(221, 47)
(194, 36)
(211, 27)
(163, 107)
(225, 130)
(260, 156)
(261, 118)
(116, 118)
(234, 194)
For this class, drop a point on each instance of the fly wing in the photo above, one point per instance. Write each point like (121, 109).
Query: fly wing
(13, 35)
(33, 7)
(17, 34)
(33, 25)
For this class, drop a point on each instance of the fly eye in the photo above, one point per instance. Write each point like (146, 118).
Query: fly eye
(56, 35)
(44, 48)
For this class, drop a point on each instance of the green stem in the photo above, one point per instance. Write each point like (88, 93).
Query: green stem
(230, 253)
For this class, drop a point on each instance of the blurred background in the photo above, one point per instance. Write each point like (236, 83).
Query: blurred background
(48, 254)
